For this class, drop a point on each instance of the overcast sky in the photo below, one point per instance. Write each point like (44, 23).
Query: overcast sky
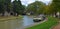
(26, 2)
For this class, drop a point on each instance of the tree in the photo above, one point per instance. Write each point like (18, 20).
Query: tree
(55, 6)
(5, 6)
(17, 7)
(2, 8)
(8, 5)
(37, 7)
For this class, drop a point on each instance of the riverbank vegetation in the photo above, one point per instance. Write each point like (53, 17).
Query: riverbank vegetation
(14, 8)
(38, 7)
(46, 25)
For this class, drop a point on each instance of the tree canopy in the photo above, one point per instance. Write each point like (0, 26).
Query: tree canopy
(7, 5)
(55, 5)
(37, 7)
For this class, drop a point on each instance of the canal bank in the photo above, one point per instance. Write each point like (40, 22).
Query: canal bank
(35, 24)
(18, 23)
(28, 22)
(46, 25)
(10, 22)
(9, 18)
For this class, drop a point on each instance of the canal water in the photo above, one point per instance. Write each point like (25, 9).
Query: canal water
(27, 20)
(17, 23)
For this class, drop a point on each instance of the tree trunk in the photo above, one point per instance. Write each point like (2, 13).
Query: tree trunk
(3, 14)
(14, 14)
(56, 15)
(17, 14)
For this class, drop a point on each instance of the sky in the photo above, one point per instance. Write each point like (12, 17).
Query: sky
(26, 2)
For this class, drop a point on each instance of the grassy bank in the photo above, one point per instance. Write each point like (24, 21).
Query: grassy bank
(10, 18)
(46, 25)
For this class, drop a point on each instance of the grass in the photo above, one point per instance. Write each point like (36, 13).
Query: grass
(46, 25)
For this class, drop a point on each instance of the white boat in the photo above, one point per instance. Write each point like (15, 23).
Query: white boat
(37, 18)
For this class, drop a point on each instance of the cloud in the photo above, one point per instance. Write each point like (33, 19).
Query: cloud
(45, 1)
(26, 2)
(31, 1)
(12, 0)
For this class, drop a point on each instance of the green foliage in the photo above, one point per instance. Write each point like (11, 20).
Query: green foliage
(2, 6)
(17, 7)
(37, 7)
(55, 6)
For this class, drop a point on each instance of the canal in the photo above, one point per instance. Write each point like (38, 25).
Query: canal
(17, 23)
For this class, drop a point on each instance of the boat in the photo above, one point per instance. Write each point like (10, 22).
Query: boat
(37, 19)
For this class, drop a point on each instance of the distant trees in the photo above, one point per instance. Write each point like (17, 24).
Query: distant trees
(37, 7)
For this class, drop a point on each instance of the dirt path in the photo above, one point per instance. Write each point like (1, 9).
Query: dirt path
(57, 26)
